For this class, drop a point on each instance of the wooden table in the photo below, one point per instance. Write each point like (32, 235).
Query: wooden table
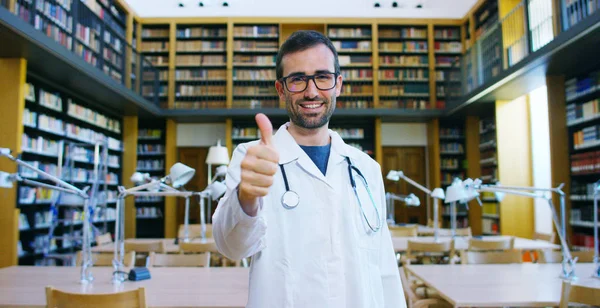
(170, 245)
(500, 285)
(22, 286)
(462, 242)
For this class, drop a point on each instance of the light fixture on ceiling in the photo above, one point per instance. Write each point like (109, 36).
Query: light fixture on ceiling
(394, 4)
(180, 4)
(225, 4)
(200, 4)
(419, 6)
(377, 5)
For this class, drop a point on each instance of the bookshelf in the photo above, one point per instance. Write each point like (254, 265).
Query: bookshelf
(151, 159)
(135, 58)
(201, 66)
(355, 55)
(452, 165)
(574, 11)
(448, 51)
(489, 175)
(582, 99)
(55, 123)
(403, 67)
(485, 17)
(154, 48)
(255, 49)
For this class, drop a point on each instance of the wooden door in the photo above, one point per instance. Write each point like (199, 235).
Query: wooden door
(411, 161)
(195, 158)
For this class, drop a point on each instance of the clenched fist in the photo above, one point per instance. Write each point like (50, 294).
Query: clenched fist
(258, 168)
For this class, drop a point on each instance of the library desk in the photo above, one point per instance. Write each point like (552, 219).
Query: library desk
(23, 286)
(500, 285)
(170, 245)
(462, 242)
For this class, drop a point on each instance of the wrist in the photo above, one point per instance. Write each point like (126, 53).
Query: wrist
(248, 203)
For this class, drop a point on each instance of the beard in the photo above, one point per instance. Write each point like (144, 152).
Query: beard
(310, 120)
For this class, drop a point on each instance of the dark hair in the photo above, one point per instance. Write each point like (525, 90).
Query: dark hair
(300, 41)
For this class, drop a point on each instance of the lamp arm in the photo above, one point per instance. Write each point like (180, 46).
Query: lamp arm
(148, 185)
(57, 181)
(395, 197)
(509, 191)
(161, 193)
(44, 185)
(415, 184)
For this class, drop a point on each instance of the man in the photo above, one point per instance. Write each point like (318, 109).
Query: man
(290, 204)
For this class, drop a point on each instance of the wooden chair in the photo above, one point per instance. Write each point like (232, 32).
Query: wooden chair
(555, 256)
(146, 247)
(489, 244)
(104, 239)
(194, 231)
(429, 249)
(491, 257)
(179, 260)
(127, 299)
(430, 223)
(459, 232)
(403, 231)
(544, 237)
(105, 259)
(415, 301)
(578, 294)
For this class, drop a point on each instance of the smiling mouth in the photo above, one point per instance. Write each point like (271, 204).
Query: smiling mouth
(312, 105)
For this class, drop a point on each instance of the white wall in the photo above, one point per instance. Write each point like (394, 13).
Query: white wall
(200, 134)
(306, 8)
(540, 152)
(403, 134)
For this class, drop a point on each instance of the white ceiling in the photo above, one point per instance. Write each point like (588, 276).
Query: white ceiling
(303, 8)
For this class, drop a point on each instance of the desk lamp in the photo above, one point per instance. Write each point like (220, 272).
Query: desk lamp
(179, 175)
(217, 155)
(437, 194)
(213, 191)
(409, 200)
(78, 195)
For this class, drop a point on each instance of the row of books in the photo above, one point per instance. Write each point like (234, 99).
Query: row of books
(405, 103)
(187, 60)
(31, 195)
(405, 60)
(349, 32)
(246, 59)
(196, 32)
(581, 112)
(203, 74)
(148, 212)
(28, 173)
(412, 33)
(354, 133)
(446, 178)
(448, 47)
(402, 89)
(145, 133)
(155, 33)
(451, 132)
(200, 46)
(256, 90)
(154, 46)
(199, 90)
(450, 33)
(255, 74)
(151, 149)
(449, 163)
(256, 31)
(585, 163)
(151, 164)
(255, 45)
(578, 87)
(451, 147)
(586, 137)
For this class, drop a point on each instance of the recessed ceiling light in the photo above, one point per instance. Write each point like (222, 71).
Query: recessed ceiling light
(419, 6)
(180, 4)
(225, 4)
(377, 4)
(200, 4)
(394, 4)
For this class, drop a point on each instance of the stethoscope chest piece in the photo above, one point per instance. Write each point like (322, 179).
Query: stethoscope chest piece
(290, 199)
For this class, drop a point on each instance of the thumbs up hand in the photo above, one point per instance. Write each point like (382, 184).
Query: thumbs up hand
(258, 168)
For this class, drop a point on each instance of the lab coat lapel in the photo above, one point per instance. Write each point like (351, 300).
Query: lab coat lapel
(289, 151)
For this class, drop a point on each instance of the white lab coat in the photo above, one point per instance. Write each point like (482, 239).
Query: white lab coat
(321, 253)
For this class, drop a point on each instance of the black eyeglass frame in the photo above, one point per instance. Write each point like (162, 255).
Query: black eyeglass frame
(309, 78)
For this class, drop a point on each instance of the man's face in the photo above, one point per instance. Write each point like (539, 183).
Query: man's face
(313, 107)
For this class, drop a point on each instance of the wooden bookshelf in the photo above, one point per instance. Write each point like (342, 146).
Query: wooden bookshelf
(403, 74)
(452, 165)
(255, 49)
(154, 47)
(472, 142)
(582, 96)
(55, 122)
(201, 66)
(488, 162)
(448, 49)
(151, 152)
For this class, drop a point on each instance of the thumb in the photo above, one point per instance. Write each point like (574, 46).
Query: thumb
(265, 127)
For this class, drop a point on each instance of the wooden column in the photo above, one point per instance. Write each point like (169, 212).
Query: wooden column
(170, 159)
(375, 59)
(433, 149)
(513, 131)
(128, 51)
(378, 148)
(130, 141)
(559, 142)
(432, 76)
(473, 169)
(12, 86)
(229, 86)
(172, 50)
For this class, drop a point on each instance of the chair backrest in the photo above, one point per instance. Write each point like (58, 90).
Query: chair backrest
(430, 223)
(409, 293)
(194, 231)
(578, 294)
(103, 239)
(491, 257)
(179, 260)
(403, 231)
(444, 247)
(127, 299)
(105, 259)
(555, 256)
(492, 244)
(459, 232)
(197, 247)
(548, 237)
(146, 247)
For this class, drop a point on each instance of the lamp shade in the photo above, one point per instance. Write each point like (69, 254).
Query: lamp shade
(221, 171)
(216, 190)
(217, 155)
(139, 177)
(455, 192)
(471, 192)
(438, 193)
(180, 174)
(412, 200)
(394, 175)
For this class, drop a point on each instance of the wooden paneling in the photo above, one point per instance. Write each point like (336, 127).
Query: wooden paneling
(288, 29)
(411, 161)
(559, 142)
(195, 158)
(473, 169)
(514, 165)
(129, 165)
(228, 131)
(12, 81)
(171, 158)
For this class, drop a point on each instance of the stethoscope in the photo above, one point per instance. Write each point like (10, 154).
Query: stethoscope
(291, 199)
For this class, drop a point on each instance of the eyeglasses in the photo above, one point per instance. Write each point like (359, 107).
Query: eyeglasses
(299, 83)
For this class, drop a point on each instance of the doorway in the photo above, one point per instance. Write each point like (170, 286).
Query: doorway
(194, 158)
(411, 161)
